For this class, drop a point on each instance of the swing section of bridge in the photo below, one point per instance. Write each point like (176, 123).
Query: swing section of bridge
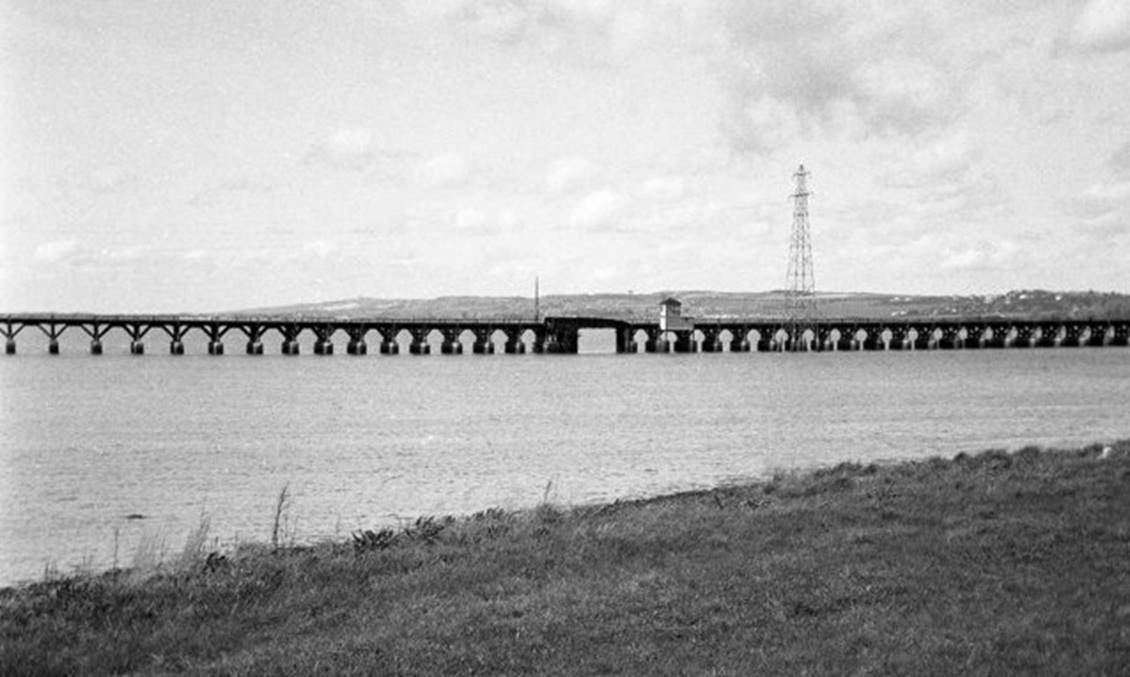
(560, 334)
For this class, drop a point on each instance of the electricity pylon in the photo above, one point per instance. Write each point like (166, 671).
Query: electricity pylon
(800, 282)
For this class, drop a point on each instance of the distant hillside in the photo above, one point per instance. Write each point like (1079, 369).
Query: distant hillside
(702, 304)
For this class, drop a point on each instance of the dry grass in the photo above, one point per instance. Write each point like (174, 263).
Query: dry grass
(989, 564)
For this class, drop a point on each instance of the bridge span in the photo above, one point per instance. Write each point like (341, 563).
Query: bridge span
(558, 334)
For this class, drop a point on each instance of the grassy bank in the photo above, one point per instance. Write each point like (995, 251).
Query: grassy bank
(995, 563)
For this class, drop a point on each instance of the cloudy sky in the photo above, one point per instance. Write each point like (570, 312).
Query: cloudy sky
(210, 155)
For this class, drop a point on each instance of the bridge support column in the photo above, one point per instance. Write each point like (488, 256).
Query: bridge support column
(215, 348)
(874, 340)
(712, 342)
(924, 339)
(291, 347)
(136, 348)
(389, 346)
(323, 346)
(626, 341)
(684, 342)
(419, 345)
(483, 345)
(95, 347)
(176, 348)
(739, 344)
(655, 342)
(1121, 335)
(1100, 337)
(451, 344)
(254, 347)
(1048, 337)
(10, 347)
(356, 347)
(766, 344)
(514, 345)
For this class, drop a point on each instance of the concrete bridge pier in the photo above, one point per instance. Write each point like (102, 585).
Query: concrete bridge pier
(52, 331)
(923, 337)
(10, 347)
(685, 342)
(999, 338)
(323, 341)
(766, 341)
(1047, 336)
(626, 341)
(136, 347)
(951, 339)
(419, 345)
(254, 335)
(451, 344)
(482, 345)
(712, 341)
(290, 344)
(215, 338)
(176, 337)
(1073, 336)
(739, 340)
(900, 339)
(514, 345)
(1120, 335)
(95, 331)
(356, 345)
(875, 338)
(655, 342)
(1100, 336)
(1024, 338)
(389, 345)
(974, 337)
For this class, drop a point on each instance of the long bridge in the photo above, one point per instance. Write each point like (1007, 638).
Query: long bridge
(559, 334)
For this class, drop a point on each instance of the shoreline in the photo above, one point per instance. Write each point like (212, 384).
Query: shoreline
(996, 561)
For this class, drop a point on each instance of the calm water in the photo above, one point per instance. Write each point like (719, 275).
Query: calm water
(364, 442)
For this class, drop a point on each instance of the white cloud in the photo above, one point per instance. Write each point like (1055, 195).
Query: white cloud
(570, 173)
(1120, 159)
(57, 251)
(469, 219)
(318, 249)
(449, 170)
(663, 189)
(1101, 26)
(596, 210)
(348, 148)
(1100, 201)
(791, 68)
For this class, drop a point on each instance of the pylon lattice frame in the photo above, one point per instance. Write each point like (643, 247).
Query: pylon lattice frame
(800, 280)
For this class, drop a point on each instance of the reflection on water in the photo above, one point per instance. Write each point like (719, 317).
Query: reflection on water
(364, 441)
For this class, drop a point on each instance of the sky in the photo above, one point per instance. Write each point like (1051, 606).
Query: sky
(171, 156)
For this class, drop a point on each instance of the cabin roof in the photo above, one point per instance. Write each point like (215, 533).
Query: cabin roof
(671, 301)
